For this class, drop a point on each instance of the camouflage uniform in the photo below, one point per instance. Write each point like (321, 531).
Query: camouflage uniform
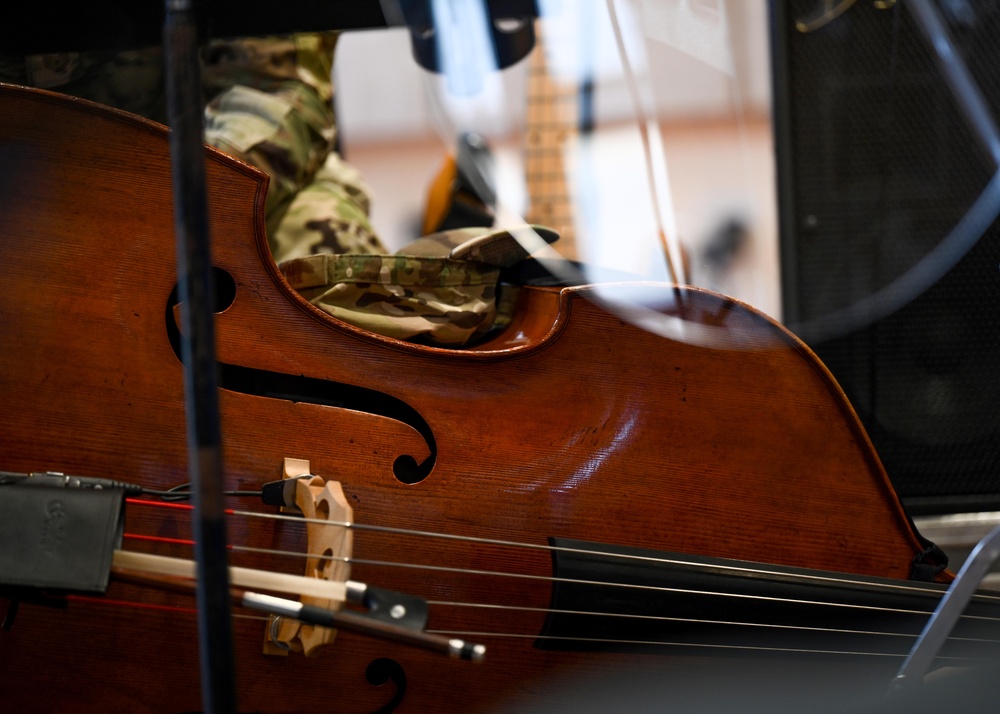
(270, 103)
(440, 289)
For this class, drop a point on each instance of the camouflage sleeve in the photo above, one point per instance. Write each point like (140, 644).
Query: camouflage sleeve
(271, 104)
(441, 289)
(438, 301)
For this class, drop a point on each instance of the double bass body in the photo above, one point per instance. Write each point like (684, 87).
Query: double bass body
(571, 424)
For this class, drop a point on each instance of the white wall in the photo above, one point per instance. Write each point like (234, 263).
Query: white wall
(383, 93)
(712, 99)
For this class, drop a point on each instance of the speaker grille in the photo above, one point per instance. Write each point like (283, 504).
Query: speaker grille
(876, 165)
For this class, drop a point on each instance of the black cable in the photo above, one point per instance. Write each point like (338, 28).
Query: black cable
(182, 492)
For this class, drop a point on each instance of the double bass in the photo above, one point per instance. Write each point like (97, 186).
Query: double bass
(582, 496)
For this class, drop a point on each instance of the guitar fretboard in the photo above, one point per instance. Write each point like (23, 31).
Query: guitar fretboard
(551, 123)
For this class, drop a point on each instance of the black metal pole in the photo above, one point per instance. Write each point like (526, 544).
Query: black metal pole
(194, 271)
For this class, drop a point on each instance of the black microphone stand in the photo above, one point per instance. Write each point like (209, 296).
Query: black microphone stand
(196, 288)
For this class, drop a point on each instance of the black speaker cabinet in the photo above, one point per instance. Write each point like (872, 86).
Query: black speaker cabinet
(876, 165)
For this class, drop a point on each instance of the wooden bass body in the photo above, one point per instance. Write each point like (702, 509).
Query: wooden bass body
(571, 424)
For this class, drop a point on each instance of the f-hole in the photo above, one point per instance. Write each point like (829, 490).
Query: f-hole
(383, 670)
(309, 390)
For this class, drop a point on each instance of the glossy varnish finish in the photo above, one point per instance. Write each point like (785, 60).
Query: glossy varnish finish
(570, 424)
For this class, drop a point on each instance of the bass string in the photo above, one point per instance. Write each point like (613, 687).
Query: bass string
(643, 617)
(548, 579)
(604, 640)
(700, 621)
(929, 590)
(740, 570)
(600, 641)
(670, 618)
(707, 645)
